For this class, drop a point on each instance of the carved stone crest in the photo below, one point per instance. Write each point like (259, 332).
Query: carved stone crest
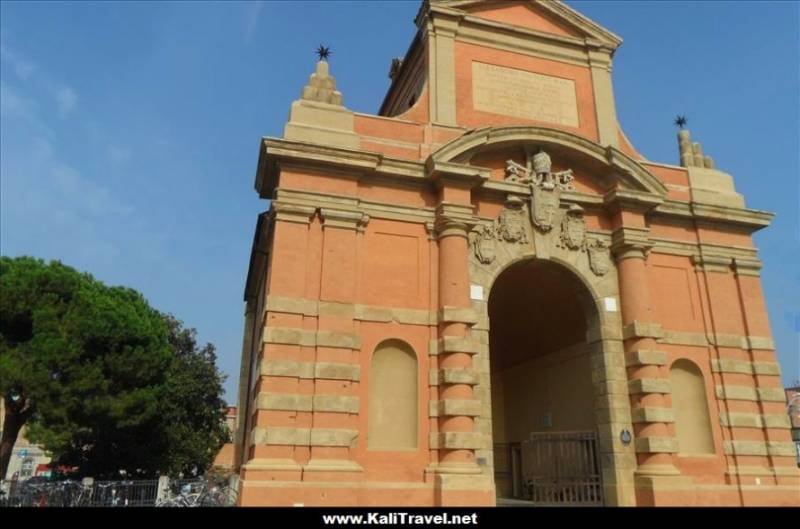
(482, 239)
(599, 257)
(511, 225)
(544, 205)
(573, 228)
(546, 186)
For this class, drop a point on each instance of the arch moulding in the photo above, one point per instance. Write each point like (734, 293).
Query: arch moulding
(631, 174)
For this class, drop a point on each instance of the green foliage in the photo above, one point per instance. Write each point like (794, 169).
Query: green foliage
(193, 407)
(113, 384)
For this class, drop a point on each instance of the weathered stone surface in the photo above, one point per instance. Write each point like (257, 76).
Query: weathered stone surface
(338, 339)
(759, 448)
(323, 370)
(288, 402)
(766, 368)
(273, 435)
(750, 393)
(336, 371)
(640, 329)
(454, 376)
(458, 315)
(287, 368)
(656, 445)
(529, 95)
(730, 365)
(646, 357)
(452, 344)
(652, 415)
(771, 394)
(280, 335)
(649, 385)
(455, 407)
(336, 403)
(333, 437)
(754, 420)
(458, 440)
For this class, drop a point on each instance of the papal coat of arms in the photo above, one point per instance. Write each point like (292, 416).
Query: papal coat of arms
(573, 228)
(546, 187)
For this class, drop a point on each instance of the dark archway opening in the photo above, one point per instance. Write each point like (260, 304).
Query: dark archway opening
(543, 420)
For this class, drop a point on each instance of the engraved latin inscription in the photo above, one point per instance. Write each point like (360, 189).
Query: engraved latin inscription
(522, 94)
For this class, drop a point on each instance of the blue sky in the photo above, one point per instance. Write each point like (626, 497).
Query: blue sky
(129, 131)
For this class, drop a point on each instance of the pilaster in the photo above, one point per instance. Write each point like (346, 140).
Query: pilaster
(648, 382)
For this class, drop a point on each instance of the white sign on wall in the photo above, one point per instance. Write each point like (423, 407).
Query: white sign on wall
(476, 292)
(610, 304)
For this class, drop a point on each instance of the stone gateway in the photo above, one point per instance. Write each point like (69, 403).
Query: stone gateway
(485, 295)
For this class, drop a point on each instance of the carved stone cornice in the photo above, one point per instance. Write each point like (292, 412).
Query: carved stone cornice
(747, 267)
(454, 220)
(276, 153)
(457, 174)
(728, 215)
(712, 263)
(629, 242)
(629, 200)
(445, 22)
(282, 211)
(343, 219)
(714, 216)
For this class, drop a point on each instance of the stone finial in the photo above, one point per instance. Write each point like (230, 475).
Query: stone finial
(692, 152)
(685, 148)
(707, 184)
(319, 115)
(697, 151)
(321, 86)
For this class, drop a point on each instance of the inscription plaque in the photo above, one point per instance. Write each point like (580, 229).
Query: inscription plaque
(522, 94)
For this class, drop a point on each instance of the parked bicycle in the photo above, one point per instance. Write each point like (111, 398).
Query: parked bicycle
(40, 492)
(198, 494)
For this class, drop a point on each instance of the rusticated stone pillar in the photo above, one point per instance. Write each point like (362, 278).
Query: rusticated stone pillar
(458, 478)
(648, 380)
(455, 439)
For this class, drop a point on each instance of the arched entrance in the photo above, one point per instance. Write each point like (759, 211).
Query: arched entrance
(543, 397)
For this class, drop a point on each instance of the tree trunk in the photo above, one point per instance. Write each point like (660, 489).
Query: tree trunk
(15, 417)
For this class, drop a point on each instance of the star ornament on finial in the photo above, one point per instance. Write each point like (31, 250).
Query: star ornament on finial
(681, 121)
(323, 52)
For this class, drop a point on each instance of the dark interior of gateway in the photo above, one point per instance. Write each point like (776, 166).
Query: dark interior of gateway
(543, 421)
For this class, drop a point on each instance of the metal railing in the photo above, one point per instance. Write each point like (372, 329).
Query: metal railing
(128, 493)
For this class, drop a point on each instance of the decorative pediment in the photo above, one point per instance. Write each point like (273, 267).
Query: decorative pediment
(611, 162)
(544, 16)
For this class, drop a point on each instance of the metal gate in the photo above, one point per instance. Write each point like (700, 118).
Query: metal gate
(561, 469)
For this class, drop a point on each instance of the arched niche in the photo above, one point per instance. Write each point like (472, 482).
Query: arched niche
(689, 403)
(393, 397)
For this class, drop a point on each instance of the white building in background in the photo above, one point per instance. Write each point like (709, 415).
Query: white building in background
(27, 459)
